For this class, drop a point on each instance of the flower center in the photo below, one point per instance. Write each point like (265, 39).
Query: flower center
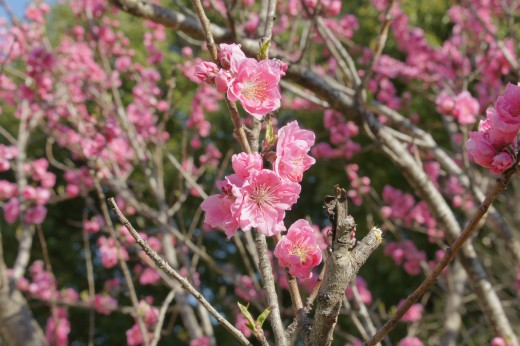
(255, 90)
(301, 252)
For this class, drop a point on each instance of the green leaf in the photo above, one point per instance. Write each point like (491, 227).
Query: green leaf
(262, 54)
(263, 316)
(269, 132)
(248, 316)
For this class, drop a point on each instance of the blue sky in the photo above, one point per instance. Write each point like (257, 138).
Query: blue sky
(18, 7)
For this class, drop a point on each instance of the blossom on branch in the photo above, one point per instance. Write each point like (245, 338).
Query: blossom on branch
(254, 83)
(494, 144)
(256, 87)
(258, 197)
(291, 152)
(299, 250)
(263, 201)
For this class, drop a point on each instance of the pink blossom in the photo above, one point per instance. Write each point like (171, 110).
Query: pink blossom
(246, 289)
(72, 190)
(36, 12)
(241, 324)
(200, 341)
(252, 24)
(263, 200)
(410, 341)
(11, 210)
(35, 215)
(501, 162)
(58, 328)
(466, 108)
(364, 294)
(497, 341)
(93, 226)
(495, 142)
(230, 56)
(123, 63)
(413, 314)
(331, 8)
(291, 152)
(206, 71)
(256, 87)
(244, 164)
(223, 80)
(508, 105)
(69, 295)
(134, 336)
(149, 313)
(41, 196)
(480, 149)
(7, 189)
(499, 132)
(299, 250)
(217, 209)
(187, 51)
(108, 251)
(104, 304)
(149, 276)
(356, 342)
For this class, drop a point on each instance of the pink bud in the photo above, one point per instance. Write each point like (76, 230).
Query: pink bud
(230, 55)
(222, 80)
(206, 72)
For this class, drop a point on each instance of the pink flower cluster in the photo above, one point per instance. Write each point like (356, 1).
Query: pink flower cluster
(150, 316)
(364, 293)
(414, 313)
(411, 341)
(299, 250)
(108, 251)
(341, 133)
(462, 107)
(34, 196)
(401, 207)
(58, 328)
(494, 144)
(200, 341)
(258, 197)
(246, 289)
(405, 253)
(254, 83)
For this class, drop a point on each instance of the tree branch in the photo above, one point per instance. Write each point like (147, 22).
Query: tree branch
(342, 266)
(450, 253)
(166, 268)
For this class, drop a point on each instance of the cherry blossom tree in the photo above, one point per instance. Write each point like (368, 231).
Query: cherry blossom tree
(273, 173)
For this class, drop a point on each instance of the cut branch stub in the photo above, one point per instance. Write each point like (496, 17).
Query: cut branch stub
(343, 225)
(342, 266)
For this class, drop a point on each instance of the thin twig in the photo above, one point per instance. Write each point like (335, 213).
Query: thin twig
(160, 320)
(122, 264)
(266, 272)
(166, 268)
(91, 285)
(380, 44)
(269, 23)
(187, 176)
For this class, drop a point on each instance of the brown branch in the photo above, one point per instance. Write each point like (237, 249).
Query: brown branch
(269, 23)
(266, 272)
(380, 44)
(478, 278)
(171, 19)
(122, 264)
(342, 266)
(452, 321)
(450, 253)
(166, 268)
